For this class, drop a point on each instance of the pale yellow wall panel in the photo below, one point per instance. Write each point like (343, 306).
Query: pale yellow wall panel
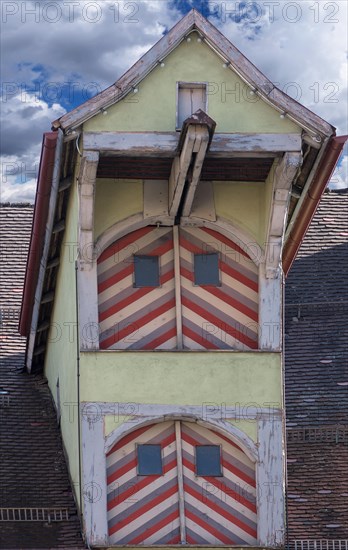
(116, 200)
(61, 354)
(153, 108)
(243, 204)
(187, 378)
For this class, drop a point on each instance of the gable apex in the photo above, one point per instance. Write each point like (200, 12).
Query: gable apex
(231, 57)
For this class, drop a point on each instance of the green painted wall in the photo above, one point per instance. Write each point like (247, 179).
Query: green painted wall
(187, 378)
(153, 108)
(61, 350)
(116, 200)
(111, 422)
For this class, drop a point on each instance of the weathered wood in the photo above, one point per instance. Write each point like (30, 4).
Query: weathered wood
(39, 350)
(94, 476)
(48, 297)
(58, 227)
(64, 184)
(177, 283)
(53, 263)
(165, 143)
(201, 144)
(283, 177)
(179, 171)
(271, 483)
(43, 326)
(270, 311)
(180, 482)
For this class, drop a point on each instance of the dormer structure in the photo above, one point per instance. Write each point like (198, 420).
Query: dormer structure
(168, 209)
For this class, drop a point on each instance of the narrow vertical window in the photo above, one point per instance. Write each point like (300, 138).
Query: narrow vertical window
(206, 269)
(191, 97)
(146, 271)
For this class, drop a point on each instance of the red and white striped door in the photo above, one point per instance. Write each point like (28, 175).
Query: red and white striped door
(137, 318)
(218, 510)
(224, 316)
(213, 317)
(144, 510)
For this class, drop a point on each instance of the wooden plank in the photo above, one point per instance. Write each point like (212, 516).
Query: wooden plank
(284, 175)
(94, 476)
(202, 141)
(180, 482)
(165, 143)
(177, 283)
(270, 311)
(179, 171)
(271, 483)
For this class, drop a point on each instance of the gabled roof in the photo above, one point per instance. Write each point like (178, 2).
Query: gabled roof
(320, 148)
(316, 377)
(233, 58)
(33, 474)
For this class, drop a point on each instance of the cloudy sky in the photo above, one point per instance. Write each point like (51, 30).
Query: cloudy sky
(58, 53)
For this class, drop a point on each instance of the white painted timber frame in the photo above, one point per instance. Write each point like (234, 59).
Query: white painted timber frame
(87, 264)
(165, 144)
(283, 176)
(266, 454)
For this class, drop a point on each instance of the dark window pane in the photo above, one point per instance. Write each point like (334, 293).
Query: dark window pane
(208, 460)
(149, 460)
(146, 271)
(206, 268)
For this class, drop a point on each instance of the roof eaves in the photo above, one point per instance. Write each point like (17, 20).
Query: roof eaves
(312, 198)
(246, 70)
(49, 143)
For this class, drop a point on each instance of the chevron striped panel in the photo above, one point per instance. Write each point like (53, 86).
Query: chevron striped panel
(218, 317)
(143, 509)
(137, 318)
(218, 510)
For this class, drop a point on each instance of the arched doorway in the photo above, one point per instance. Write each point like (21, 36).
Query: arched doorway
(180, 482)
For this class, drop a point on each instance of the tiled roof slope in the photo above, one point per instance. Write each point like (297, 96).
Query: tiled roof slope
(33, 472)
(316, 377)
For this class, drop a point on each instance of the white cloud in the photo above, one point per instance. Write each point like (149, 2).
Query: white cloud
(23, 120)
(89, 44)
(339, 179)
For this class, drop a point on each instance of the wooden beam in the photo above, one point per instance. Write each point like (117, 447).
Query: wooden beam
(284, 175)
(201, 144)
(58, 227)
(53, 263)
(48, 297)
(179, 171)
(64, 184)
(40, 350)
(165, 143)
(43, 326)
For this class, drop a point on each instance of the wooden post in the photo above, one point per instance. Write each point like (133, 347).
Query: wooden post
(180, 482)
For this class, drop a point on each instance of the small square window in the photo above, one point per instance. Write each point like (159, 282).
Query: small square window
(146, 271)
(208, 460)
(149, 460)
(206, 269)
